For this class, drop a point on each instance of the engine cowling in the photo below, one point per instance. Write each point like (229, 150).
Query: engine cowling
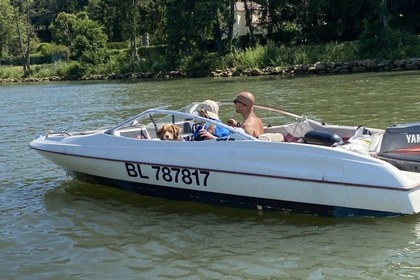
(401, 146)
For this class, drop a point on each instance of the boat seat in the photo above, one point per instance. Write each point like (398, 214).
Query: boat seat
(273, 137)
(151, 130)
(133, 132)
(299, 129)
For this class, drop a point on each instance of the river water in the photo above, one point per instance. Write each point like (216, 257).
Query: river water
(54, 227)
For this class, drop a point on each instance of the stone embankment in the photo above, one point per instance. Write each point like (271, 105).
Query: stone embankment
(368, 65)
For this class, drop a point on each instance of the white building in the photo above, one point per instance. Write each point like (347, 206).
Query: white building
(239, 27)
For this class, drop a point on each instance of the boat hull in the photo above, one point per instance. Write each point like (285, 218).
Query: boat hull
(239, 185)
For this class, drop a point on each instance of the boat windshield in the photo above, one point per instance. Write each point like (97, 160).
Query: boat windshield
(146, 124)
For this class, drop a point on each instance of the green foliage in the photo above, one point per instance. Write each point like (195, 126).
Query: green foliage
(48, 49)
(152, 50)
(38, 58)
(83, 36)
(250, 58)
(387, 43)
(73, 70)
(408, 22)
(11, 72)
(62, 69)
(62, 29)
(154, 63)
(198, 61)
(6, 26)
(189, 24)
(48, 53)
(117, 45)
(43, 70)
(299, 32)
(9, 35)
(120, 62)
(327, 52)
(272, 55)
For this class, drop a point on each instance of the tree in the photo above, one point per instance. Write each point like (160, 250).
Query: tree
(84, 37)
(230, 19)
(50, 9)
(192, 24)
(180, 27)
(63, 29)
(7, 36)
(133, 33)
(248, 18)
(24, 9)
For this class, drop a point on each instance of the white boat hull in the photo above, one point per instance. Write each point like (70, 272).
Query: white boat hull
(290, 177)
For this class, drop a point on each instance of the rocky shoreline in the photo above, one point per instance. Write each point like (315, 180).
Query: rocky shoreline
(359, 66)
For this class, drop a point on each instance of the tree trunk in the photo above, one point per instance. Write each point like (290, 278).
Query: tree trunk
(25, 52)
(231, 22)
(19, 35)
(383, 14)
(133, 44)
(217, 32)
(248, 20)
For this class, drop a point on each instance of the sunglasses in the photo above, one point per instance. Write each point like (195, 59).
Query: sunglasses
(237, 101)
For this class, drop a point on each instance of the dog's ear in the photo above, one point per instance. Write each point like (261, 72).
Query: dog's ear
(159, 131)
(177, 131)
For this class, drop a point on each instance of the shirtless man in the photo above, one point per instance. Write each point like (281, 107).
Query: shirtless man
(244, 105)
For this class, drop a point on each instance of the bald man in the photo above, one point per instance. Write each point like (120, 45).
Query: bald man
(244, 105)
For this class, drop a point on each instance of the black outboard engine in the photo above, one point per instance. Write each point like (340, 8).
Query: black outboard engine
(401, 146)
(321, 137)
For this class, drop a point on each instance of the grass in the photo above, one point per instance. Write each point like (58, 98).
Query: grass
(12, 72)
(259, 57)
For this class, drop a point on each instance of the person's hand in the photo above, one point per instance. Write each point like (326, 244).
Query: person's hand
(206, 135)
(232, 122)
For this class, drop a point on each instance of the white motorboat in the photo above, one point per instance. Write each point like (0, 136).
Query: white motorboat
(304, 165)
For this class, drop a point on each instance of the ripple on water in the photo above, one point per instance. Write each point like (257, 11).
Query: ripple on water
(52, 227)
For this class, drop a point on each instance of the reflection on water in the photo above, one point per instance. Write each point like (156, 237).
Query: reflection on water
(53, 227)
(172, 239)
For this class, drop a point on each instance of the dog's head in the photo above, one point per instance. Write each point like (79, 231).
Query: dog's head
(169, 132)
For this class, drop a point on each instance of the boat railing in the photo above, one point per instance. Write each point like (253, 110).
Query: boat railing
(57, 133)
(171, 114)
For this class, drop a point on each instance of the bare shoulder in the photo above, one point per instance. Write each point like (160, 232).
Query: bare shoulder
(253, 126)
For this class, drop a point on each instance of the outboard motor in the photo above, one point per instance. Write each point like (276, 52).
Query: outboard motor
(321, 137)
(401, 146)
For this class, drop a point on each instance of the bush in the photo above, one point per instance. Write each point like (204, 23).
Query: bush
(40, 71)
(118, 45)
(50, 49)
(9, 61)
(387, 43)
(48, 53)
(72, 70)
(198, 62)
(152, 50)
(11, 72)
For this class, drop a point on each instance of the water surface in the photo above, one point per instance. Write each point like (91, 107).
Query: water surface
(54, 227)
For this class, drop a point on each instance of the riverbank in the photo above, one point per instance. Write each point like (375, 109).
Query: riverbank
(358, 66)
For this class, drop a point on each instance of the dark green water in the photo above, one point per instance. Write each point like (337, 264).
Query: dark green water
(53, 227)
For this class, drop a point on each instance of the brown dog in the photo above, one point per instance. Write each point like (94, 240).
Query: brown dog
(169, 132)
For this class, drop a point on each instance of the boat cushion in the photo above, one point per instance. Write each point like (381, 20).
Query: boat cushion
(273, 137)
